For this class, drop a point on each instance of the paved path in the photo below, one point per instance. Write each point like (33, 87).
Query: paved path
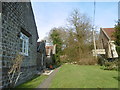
(46, 82)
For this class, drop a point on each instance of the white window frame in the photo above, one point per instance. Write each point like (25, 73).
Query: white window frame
(25, 44)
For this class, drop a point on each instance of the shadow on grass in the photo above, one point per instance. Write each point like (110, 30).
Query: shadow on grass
(102, 67)
(34, 77)
(117, 78)
(56, 65)
(108, 68)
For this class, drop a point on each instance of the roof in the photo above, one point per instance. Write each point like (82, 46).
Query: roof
(49, 47)
(109, 32)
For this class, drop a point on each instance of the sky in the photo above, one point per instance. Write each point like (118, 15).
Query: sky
(55, 14)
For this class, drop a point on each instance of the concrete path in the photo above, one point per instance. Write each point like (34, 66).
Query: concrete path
(46, 82)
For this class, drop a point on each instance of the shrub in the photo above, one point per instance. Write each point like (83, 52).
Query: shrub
(101, 60)
(88, 61)
(111, 65)
(118, 50)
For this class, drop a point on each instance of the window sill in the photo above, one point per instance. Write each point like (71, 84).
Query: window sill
(23, 54)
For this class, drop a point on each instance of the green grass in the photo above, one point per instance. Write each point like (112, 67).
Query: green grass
(34, 83)
(80, 76)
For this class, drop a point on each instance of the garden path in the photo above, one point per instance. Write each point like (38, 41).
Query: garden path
(46, 82)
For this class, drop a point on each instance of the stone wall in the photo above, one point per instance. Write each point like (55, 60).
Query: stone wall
(0, 45)
(17, 16)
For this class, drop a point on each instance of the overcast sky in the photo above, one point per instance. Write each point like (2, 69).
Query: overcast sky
(54, 14)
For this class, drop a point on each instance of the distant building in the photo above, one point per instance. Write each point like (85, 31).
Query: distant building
(41, 55)
(106, 39)
(50, 52)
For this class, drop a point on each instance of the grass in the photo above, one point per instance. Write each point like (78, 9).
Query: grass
(76, 76)
(34, 83)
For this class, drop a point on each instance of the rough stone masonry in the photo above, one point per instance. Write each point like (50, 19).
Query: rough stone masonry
(18, 34)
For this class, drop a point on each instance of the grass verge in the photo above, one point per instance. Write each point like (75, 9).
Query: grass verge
(34, 83)
(84, 76)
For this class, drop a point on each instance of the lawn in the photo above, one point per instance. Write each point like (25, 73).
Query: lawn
(80, 76)
(34, 83)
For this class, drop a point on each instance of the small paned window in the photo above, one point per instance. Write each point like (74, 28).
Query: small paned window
(24, 44)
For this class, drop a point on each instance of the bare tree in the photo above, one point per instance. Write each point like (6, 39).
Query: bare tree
(76, 38)
(79, 44)
(80, 26)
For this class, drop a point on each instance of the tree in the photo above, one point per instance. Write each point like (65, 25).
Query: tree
(117, 36)
(56, 40)
(80, 36)
(74, 42)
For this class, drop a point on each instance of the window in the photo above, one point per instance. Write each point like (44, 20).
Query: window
(24, 42)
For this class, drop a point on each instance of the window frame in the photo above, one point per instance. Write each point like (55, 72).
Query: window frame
(25, 44)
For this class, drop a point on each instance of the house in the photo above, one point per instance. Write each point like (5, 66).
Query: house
(50, 52)
(106, 40)
(41, 55)
(18, 35)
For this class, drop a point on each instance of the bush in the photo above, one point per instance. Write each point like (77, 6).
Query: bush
(118, 50)
(111, 65)
(88, 61)
(101, 60)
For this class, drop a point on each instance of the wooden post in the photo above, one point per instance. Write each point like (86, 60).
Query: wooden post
(94, 43)
(93, 30)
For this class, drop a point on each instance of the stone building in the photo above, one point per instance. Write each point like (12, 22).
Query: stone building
(18, 34)
(41, 55)
(106, 40)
